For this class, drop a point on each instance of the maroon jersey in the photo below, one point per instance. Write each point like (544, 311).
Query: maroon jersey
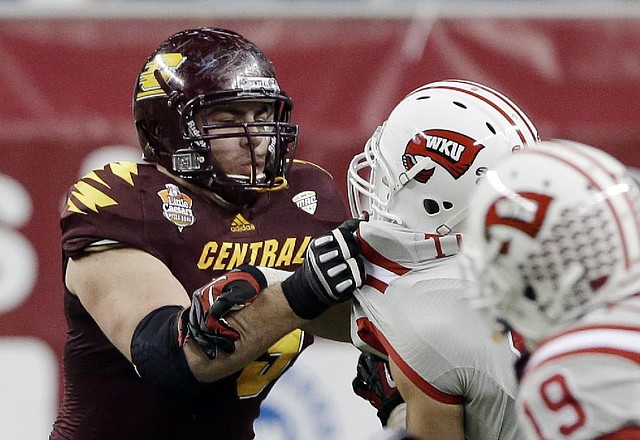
(135, 205)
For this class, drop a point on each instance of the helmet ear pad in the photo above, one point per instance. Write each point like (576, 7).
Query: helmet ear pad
(432, 207)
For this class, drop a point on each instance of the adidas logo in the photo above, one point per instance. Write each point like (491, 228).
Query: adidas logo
(240, 224)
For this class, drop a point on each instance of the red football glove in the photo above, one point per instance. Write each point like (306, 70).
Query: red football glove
(374, 383)
(211, 302)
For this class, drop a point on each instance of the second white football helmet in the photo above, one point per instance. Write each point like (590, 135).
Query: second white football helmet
(420, 166)
(553, 232)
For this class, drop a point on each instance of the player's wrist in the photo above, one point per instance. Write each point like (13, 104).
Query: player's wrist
(331, 272)
(302, 297)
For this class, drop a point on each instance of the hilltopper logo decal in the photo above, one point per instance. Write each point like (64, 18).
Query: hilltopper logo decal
(453, 151)
(524, 211)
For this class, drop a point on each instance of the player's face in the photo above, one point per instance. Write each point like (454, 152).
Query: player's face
(234, 153)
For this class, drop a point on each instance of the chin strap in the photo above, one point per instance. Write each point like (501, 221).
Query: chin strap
(408, 176)
(279, 183)
(448, 226)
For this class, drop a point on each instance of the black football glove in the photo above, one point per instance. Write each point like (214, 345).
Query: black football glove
(331, 272)
(374, 384)
(211, 302)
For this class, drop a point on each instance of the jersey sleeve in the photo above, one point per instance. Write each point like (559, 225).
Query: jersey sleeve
(104, 209)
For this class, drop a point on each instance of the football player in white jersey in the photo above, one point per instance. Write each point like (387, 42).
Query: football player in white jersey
(554, 240)
(414, 181)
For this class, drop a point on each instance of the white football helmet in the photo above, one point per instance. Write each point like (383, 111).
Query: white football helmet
(419, 167)
(553, 232)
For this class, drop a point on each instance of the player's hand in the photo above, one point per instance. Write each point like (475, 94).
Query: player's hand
(373, 382)
(331, 272)
(211, 302)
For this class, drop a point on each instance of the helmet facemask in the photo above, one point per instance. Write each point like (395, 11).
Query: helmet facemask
(370, 178)
(269, 145)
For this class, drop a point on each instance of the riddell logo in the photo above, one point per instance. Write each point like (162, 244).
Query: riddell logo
(240, 224)
(524, 211)
(453, 151)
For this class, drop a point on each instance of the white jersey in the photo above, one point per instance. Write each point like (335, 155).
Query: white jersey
(413, 310)
(585, 382)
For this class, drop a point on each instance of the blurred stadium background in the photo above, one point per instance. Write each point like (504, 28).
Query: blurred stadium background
(66, 77)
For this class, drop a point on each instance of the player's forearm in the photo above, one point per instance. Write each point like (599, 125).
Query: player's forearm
(235, 318)
(260, 326)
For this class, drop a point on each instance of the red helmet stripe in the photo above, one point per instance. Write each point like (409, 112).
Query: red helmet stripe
(491, 104)
(598, 187)
(508, 103)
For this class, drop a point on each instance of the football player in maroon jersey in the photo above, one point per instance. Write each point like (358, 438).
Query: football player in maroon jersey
(218, 188)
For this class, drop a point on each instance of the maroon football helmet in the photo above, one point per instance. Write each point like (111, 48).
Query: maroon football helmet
(201, 68)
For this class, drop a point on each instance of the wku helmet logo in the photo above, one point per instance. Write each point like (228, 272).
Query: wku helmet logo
(453, 151)
(524, 211)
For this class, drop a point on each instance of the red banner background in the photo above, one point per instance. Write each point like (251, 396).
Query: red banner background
(66, 84)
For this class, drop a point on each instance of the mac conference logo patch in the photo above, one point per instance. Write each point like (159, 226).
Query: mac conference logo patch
(307, 201)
